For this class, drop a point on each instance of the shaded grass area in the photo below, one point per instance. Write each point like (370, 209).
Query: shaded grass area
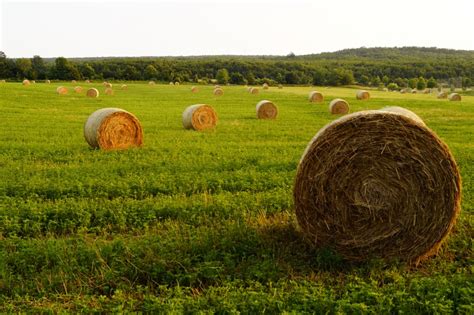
(198, 221)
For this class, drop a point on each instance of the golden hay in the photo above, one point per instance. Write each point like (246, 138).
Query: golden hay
(427, 91)
(454, 97)
(87, 81)
(171, 83)
(280, 86)
(33, 82)
(47, 81)
(266, 110)
(315, 96)
(254, 91)
(265, 86)
(73, 81)
(124, 87)
(26, 82)
(61, 90)
(78, 89)
(362, 95)
(442, 95)
(194, 89)
(94, 93)
(377, 184)
(405, 112)
(151, 83)
(108, 85)
(113, 128)
(199, 117)
(109, 91)
(338, 106)
(414, 91)
(3, 81)
(218, 92)
(176, 83)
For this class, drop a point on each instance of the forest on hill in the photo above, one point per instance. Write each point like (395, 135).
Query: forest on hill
(391, 67)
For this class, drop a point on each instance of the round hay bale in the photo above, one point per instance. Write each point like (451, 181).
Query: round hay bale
(199, 117)
(47, 81)
(266, 110)
(362, 95)
(26, 82)
(151, 83)
(124, 87)
(62, 90)
(218, 92)
(426, 91)
(94, 93)
(87, 81)
(109, 91)
(377, 184)
(3, 81)
(454, 97)
(442, 95)
(338, 106)
(385, 89)
(194, 89)
(405, 112)
(176, 83)
(414, 91)
(108, 85)
(248, 89)
(280, 86)
(33, 82)
(78, 89)
(113, 128)
(265, 86)
(315, 96)
(73, 81)
(171, 83)
(254, 91)
(217, 86)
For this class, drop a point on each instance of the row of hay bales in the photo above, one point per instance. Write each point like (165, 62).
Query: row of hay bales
(338, 105)
(350, 192)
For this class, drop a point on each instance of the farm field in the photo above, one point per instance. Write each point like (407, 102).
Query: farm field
(199, 221)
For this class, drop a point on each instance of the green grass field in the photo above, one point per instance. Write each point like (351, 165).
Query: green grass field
(198, 221)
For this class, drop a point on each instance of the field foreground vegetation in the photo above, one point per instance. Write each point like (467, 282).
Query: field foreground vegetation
(199, 221)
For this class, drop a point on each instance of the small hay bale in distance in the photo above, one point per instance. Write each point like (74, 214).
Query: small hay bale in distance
(3, 81)
(151, 83)
(265, 86)
(171, 83)
(87, 81)
(442, 95)
(108, 85)
(93, 92)
(113, 129)
(194, 89)
(266, 110)
(47, 81)
(414, 91)
(73, 81)
(254, 91)
(455, 97)
(33, 82)
(377, 184)
(199, 117)
(26, 82)
(78, 89)
(109, 91)
(426, 91)
(280, 86)
(124, 87)
(362, 95)
(338, 106)
(62, 90)
(315, 97)
(218, 92)
(176, 83)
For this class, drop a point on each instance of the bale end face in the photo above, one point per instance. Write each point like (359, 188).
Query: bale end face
(338, 106)
(218, 92)
(113, 129)
(61, 90)
(94, 93)
(454, 97)
(199, 117)
(109, 91)
(363, 95)
(266, 110)
(315, 97)
(377, 184)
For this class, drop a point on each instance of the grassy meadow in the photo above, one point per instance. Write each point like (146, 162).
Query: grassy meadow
(198, 221)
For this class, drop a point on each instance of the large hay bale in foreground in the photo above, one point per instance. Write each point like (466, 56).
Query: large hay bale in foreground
(442, 95)
(218, 92)
(377, 184)
(78, 89)
(315, 96)
(199, 117)
(62, 90)
(266, 110)
(113, 128)
(26, 82)
(454, 97)
(362, 95)
(338, 106)
(94, 93)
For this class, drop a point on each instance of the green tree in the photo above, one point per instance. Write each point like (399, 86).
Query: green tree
(39, 68)
(431, 83)
(466, 82)
(24, 68)
(151, 72)
(412, 83)
(364, 80)
(376, 81)
(421, 84)
(385, 80)
(87, 71)
(392, 86)
(237, 78)
(222, 76)
(64, 70)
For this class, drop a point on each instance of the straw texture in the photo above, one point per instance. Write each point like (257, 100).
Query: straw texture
(454, 97)
(194, 89)
(266, 110)
(92, 93)
(442, 95)
(363, 95)
(109, 91)
(338, 106)
(254, 91)
(78, 89)
(26, 82)
(377, 184)
(218, 92)
(113, 128)
(61, 90)
(199, 117)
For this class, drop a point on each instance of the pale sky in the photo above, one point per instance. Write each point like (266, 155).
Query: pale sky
(211, 27)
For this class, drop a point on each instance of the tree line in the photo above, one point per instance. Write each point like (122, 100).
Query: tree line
(372, 67)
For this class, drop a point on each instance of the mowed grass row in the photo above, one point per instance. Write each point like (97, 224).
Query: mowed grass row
(194, 219)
